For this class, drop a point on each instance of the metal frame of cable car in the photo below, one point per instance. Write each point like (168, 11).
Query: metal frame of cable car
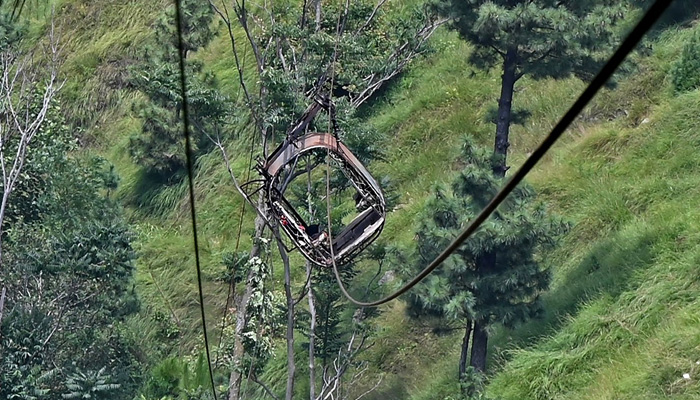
(356, 235)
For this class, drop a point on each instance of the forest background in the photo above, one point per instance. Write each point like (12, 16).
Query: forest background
(99, 292)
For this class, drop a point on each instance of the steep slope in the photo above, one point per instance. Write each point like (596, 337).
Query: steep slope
(622, 308)
(633, 192)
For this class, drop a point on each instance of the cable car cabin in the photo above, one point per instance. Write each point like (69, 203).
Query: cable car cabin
(314, 245)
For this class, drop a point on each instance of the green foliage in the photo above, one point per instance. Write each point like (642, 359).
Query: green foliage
(330, 326)
(164, 379)
(463, 288)
(34, 385)
(423, 117)
(296, 52)
(548, 39)
(89, 385)
(67, 270)
(678, 12)
(235, 264)
(174, 378)
(196, 31)
(685, 73)
(10, 30)
(471, 386)
(78, 273)
(264, 309)
(632, 337)
(539, 39)
(159, 147)
(168, 329)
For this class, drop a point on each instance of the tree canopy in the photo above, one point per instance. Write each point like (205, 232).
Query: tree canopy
(545, 38)
(67, 275)
(159, 146)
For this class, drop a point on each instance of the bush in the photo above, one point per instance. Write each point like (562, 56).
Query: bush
(685, 73)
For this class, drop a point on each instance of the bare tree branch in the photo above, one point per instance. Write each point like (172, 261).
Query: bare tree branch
(376, 385)
(239, 64)
(303, 291)
(332, 386)
(312, 337)
(400, 57)
(165, 299)
(2, 305)
(289, 59)
(19, 119)
(370, 18)
(257, 208)
(267, 390)
(291, 366)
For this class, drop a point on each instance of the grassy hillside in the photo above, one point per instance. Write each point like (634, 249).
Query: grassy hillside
(622, 310)
(630, 266)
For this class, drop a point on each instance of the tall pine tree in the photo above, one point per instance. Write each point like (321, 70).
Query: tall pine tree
(495, 277)
(540, 38)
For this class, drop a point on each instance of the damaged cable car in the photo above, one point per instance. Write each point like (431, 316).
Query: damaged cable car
(313, 242)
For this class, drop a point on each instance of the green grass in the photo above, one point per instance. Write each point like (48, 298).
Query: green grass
(638, 188)
(632, 190)
(629, 187)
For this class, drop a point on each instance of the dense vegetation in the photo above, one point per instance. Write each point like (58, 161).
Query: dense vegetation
(99, 296)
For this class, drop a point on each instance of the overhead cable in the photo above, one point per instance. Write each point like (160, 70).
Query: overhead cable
(190, 179)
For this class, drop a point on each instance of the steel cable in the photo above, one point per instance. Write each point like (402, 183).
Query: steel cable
(190, 180)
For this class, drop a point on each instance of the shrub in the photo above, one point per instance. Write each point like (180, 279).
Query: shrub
(685, 73)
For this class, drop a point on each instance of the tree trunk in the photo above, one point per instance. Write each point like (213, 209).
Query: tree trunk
(318, 15)
(241, 303)
(291, 366)
(327, 310)
(312, 341)
(478, 358)
(500, 152)
(2, 309)
(465, 350)
(3, 204)
(505, 104)
(2, 304)
(312, 336)
(310, 294)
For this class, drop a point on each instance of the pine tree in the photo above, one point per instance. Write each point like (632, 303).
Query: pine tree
(541, 39)
(495, 277)
(159, 146)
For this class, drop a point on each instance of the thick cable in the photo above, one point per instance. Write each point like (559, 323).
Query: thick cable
(605, 73)
(190, 180)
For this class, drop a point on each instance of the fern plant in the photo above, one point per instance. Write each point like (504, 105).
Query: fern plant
(89, 385)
